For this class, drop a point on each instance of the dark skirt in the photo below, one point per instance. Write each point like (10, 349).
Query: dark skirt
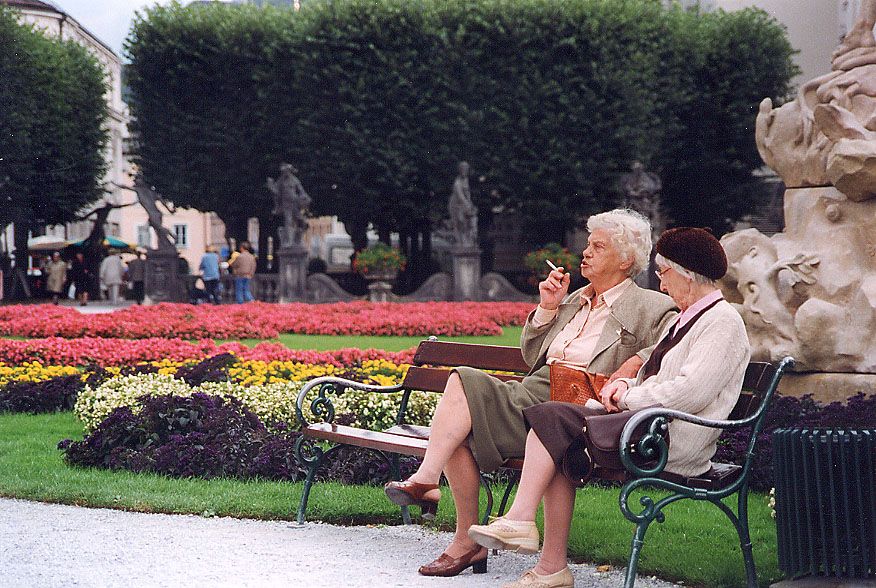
(559, 427)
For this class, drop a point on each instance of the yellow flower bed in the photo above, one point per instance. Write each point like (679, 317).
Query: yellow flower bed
(33, 371)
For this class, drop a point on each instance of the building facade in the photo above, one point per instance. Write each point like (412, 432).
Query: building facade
(195, 229)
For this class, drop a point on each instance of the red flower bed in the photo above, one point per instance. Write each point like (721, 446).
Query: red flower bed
(113, 352)
(266, 321)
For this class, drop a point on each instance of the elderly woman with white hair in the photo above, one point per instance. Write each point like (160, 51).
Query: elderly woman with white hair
(478, 423)
(697, 367)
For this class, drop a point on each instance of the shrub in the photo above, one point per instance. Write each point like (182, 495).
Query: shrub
(56, 394)
(535, 261)
(379, 259)
(859, 411)
(210, 436)
(212, 369)
(195, 436)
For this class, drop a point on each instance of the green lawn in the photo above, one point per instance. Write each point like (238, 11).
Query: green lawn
(509, 336)
(695, 545)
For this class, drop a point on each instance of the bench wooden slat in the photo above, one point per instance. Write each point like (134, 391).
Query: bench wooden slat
(365, 438)
(485, 357)
(434, 379)
(416, 431)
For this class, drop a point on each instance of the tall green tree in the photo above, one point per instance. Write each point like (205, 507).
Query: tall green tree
(375, 102)
(52, 133)
(706, 162)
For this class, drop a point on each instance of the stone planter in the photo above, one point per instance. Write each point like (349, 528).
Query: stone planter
(380, 285)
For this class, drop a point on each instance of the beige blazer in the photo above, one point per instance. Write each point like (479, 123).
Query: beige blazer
(636, 321)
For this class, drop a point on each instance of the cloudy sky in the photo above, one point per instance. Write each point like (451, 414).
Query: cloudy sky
(108, 20)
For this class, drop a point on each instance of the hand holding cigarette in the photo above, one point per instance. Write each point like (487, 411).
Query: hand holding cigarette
(554, 288)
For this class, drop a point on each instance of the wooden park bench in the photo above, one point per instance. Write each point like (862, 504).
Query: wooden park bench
(431, 367)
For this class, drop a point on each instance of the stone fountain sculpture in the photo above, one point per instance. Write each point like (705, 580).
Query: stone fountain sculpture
(811, 291)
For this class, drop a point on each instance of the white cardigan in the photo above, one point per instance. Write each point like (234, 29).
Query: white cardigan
(702, 375)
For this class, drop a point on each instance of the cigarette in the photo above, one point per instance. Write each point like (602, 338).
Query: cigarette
(550, 263)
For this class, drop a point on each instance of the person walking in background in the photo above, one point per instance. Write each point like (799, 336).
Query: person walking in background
(56, 272)
(82, 278)
(137, 277)
(243, 266)
(210, 274)
(112, 275)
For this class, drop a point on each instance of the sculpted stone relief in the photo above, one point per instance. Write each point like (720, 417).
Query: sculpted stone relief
(811, 291)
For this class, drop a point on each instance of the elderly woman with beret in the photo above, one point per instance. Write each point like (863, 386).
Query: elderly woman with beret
(697, 368)
(478, 423)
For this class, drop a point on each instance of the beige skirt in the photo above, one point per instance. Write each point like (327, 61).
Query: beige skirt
(498, 431)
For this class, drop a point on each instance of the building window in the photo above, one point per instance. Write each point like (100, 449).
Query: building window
(181, 234)
(143, 236)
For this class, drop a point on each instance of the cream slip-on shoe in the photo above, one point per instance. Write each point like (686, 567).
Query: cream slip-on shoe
(519, 536)
(529, 579)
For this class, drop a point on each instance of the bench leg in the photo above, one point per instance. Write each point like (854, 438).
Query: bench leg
(310, 457)
(485, 482)
(395, 474)
(313, 464)
(513, 480)
(740, 523)
(635, 551)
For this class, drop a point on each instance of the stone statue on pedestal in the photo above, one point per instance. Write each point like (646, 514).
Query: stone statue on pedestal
(641, 191)
(465, 252)
(290, 202)
(810, 291)
(463, 212)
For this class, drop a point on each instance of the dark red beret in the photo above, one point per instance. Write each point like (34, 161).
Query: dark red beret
(694, 249)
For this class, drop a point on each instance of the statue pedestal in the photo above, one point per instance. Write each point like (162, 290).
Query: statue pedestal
(163, 282)
(466, 273)
(827, 387)
(292, 271)
(379, 291)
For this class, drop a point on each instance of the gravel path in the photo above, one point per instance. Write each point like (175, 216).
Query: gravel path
(50, 545)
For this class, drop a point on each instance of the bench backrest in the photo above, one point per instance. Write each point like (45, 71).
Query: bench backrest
(758, 377)
(434, 360)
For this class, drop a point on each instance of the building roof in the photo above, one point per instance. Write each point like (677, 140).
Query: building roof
(33, 5)
(52, 7)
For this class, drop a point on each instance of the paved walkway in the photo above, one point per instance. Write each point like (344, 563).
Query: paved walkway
(47, 545)
(98, 307)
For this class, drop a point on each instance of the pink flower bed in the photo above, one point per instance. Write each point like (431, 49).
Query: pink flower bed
(113, 352)
(266, 321)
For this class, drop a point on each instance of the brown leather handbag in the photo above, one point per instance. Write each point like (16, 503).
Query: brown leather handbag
(576, 386)
(599, 445)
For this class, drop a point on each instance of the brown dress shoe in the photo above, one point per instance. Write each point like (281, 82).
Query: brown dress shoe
(407, 493)
(447, 566)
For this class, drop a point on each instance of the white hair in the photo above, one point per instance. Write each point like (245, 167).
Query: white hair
(630, 232)
(698, 278)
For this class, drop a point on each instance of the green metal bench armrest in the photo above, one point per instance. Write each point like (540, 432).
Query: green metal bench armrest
(653, 444)
(321, 406)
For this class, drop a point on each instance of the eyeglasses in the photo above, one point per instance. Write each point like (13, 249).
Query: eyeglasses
(659, 273)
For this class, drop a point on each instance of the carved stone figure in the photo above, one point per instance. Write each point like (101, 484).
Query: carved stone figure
(640, 185)
(463, 212)
(811, 291)
(827, 135)
(149, 200)
(290, 202)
